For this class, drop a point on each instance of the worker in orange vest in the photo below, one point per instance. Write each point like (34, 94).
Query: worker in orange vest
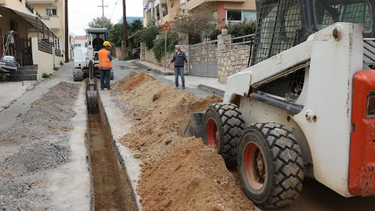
(105, 66)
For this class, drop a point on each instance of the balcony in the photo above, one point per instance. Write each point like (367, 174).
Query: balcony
(52, 22)
(191, 4)
(22, 5)
(42, 1)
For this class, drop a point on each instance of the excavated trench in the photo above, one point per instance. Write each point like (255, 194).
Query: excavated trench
(110, 185)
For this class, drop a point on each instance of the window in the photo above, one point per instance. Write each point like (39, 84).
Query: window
(328, 12)
(235, 16)
(249, 15)
(51, 11)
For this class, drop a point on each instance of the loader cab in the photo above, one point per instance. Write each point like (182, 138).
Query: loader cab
(93, 33)
(283, 24)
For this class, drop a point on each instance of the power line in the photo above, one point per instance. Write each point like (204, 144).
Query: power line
(114, 8)
(91, 14)
(78, 27)
(102, 6)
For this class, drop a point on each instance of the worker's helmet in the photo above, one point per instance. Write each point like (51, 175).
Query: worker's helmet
(107, 44)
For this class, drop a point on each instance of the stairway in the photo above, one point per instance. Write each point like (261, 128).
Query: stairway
(25, 73)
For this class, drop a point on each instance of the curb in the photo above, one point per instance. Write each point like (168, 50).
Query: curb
(212, 90)
(153, 69)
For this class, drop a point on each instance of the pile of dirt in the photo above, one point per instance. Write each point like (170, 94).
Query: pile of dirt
(121, 83)
(178, 173)
(133, 80)
(37, 143)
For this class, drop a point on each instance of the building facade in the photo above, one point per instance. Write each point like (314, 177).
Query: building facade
(33, 42)
(225, 11)
(52, 13)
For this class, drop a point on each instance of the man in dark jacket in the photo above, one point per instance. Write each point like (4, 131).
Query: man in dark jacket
(98, 43)
(179, 60)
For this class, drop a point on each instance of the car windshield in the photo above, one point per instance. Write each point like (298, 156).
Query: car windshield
(328, 12)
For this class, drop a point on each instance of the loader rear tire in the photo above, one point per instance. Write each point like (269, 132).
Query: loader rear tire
(223, 127)
(270, 165)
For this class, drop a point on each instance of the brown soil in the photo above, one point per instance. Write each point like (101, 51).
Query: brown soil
(106, 190)
(178, 173)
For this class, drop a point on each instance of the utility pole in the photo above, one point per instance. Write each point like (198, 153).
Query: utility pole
(102, 6)
(66, 32)
(125, 32)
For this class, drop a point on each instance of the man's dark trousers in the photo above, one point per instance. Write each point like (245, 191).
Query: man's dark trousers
(105, 75)
(179, 71)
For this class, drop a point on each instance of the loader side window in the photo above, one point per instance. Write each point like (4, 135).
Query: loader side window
(328, 12)
(278, 28)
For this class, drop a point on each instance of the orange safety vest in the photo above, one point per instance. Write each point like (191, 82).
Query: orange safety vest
(104, 61)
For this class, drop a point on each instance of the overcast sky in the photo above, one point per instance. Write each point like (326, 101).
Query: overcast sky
(81, 12)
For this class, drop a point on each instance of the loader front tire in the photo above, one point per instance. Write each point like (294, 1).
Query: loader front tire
(270, 165)
(223, 126)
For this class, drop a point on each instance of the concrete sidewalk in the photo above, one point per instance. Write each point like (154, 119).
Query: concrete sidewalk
(12, 91)
(210, 85)
(155, 68)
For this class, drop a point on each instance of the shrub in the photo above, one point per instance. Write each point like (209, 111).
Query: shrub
(148, 34)
(61, 63)
(195, 23)
(47, 75)
(241, 29)
(159, 45)
(116, 33)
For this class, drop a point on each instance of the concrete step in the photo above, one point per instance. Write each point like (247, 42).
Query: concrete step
(23, 78)
(25, 72)
(211, 90)
(31, 67)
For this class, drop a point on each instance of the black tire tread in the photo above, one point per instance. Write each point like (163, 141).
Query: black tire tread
(287, 162)
(231, 128)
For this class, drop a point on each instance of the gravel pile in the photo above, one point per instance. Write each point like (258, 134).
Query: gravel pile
(37, 143)
(36, 156)
(53, 111)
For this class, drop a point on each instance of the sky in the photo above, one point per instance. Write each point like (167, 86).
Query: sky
(81, 12)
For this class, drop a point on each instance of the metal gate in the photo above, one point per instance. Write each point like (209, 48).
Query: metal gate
(21, 50)
(203, 59)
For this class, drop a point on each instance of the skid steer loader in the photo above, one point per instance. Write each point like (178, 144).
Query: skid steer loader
(305, 107)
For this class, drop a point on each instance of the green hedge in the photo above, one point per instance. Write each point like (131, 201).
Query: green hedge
(159, 45)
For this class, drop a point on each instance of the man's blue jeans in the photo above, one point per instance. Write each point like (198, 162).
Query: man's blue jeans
(105, 75)
(179, 71)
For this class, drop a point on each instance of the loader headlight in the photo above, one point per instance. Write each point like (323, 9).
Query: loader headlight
(371, 105)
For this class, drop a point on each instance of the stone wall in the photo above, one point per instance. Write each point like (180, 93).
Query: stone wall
(231, 58)
(204, 53)
(148, 55)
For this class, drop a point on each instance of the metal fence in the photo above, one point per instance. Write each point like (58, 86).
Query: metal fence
(21, 50)
(203, 59)
(58, 52)
(44, 46)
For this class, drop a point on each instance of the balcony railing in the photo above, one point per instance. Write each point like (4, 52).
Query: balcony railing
(45, 47)
(29, 7)
(58, 52)
(37, 14)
